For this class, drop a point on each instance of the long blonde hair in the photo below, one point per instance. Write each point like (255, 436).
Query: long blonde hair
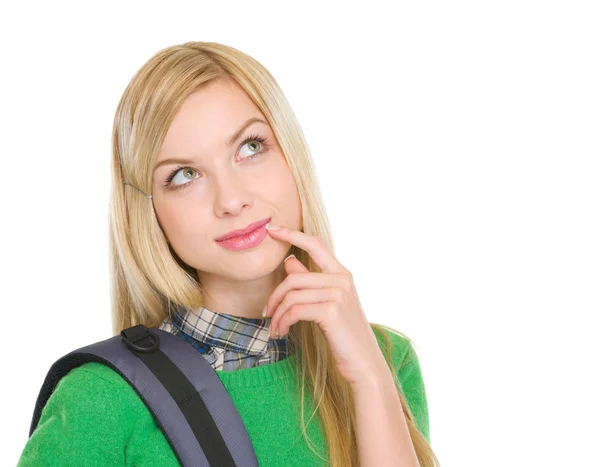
(147, 277)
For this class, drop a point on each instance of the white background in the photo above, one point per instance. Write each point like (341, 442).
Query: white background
(457, 146)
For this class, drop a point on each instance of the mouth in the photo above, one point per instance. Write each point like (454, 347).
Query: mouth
(245, 242)
(242, 232)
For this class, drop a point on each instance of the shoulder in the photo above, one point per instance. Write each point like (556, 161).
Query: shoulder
(94, 372)
(97, 387)
(97, 375)
(394, 345)
(87, 420)
(400, 350)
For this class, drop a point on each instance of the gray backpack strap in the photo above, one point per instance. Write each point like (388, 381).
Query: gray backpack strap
(179, 387)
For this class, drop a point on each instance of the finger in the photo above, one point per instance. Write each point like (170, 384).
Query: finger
(293, 264)
(291, 304)
(316, 312)
(311, 244)
(296, 297)
(304, 280)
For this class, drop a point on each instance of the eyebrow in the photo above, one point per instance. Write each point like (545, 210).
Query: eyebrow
(230, 142)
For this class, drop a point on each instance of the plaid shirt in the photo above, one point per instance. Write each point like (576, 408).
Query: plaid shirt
(228, 342)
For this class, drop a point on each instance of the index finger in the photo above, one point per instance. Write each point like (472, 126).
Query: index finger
(309, 243)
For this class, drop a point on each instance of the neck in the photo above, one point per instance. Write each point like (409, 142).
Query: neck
(244, 298)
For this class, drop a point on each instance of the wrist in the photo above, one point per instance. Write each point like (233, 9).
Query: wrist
(377, 378)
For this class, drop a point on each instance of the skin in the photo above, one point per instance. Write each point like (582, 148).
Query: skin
(330, 299)
(228, 192)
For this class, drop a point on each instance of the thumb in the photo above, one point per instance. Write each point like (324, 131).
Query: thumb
(293, 264)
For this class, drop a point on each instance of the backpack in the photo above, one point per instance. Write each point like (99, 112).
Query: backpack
(180, 388)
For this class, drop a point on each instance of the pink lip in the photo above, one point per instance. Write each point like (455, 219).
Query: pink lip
(244, 231)
(243, 242)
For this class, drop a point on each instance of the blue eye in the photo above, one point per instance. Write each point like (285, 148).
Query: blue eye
(250, 139)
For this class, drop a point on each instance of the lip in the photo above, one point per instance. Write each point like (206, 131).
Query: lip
(242, 232)
(244, 242)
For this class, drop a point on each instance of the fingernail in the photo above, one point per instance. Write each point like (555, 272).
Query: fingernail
(264, 312)
(288, 258)
(271, 226)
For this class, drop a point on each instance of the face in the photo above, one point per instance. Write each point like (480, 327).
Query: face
(217, 187)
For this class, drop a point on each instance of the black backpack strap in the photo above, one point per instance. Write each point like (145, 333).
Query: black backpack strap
(179, 387)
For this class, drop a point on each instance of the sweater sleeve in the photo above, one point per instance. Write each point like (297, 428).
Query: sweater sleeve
(408, 370)
(81, 425)
(413, 388)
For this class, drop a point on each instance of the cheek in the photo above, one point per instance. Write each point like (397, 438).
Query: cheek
(163, 217)
(285, 195)
(183, 224)
(281, 183)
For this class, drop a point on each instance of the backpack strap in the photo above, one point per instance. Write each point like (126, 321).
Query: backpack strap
(180, 388)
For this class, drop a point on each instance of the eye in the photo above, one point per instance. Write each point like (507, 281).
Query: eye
(256, 150)
(171, 182)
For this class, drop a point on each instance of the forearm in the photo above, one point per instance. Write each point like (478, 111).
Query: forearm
(382, 431)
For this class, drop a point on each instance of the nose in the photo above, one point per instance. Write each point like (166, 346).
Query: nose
(231, 195)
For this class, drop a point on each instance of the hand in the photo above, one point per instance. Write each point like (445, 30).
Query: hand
(330, 299)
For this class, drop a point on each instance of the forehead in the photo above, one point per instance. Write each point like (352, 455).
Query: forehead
(207, 119)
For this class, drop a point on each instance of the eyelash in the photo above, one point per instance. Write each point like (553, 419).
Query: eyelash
(260, 139)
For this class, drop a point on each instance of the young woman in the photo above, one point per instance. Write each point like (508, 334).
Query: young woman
(218, 234)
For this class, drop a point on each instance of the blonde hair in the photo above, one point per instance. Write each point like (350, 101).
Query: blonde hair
(147, 277)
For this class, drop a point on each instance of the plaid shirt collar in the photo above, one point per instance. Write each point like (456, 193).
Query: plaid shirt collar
(248, 336)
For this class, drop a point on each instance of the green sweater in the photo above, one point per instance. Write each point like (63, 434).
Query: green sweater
(95, 418)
